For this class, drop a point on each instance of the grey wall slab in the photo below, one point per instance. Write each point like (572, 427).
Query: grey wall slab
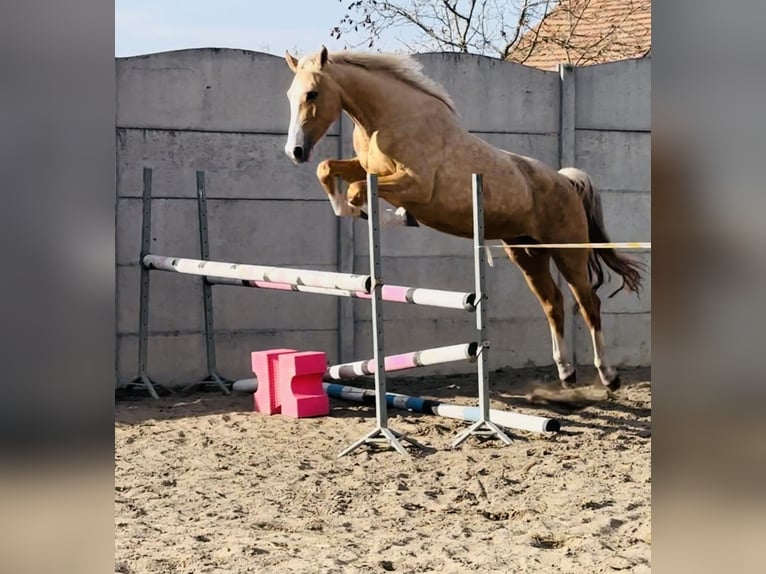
(206, 89)
(542, 147)
(496, 96)
(627, 215)
(520, 343)
(411, 242)
(627, 338)
(248, 166)
(288, 233)
(175, 302)
(172, 359)
(239, 309)
(174, 229)
(615, 160)
(128, 241)
(614, 96)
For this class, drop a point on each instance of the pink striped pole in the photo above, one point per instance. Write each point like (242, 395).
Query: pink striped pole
(391, 293)
(401, 362)
(246, 272)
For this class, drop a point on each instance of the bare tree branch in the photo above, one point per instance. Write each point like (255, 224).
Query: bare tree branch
(536, 37)
(468, 22)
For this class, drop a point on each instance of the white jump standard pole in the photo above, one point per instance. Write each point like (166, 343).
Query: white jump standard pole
(483, 426)
(381, 434)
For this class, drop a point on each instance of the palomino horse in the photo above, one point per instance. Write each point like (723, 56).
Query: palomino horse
(406, 131)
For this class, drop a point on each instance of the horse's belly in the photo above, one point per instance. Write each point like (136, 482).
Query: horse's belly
(504, 215)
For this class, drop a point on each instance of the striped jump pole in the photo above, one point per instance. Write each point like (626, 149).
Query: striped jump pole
(511, 420)
(403, 361)
(507, 419)
(245, 272)
(391, 293)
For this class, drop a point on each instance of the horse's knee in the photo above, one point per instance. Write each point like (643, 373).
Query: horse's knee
(324, 173)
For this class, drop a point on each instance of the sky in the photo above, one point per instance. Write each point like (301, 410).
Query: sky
(273, 26)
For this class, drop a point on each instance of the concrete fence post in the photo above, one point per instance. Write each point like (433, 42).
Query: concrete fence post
(567, 159)
(346, 251)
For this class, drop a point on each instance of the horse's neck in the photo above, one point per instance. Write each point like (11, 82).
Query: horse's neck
(371, 99)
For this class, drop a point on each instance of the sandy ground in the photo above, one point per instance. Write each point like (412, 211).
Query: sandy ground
(203, 484)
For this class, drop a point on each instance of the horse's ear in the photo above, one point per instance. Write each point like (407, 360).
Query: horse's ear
(323, 57)
(291, 61)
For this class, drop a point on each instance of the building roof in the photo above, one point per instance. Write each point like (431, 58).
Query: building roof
(584, 32)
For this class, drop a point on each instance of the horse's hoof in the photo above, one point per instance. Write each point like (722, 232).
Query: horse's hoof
(614, 384)
(411, 221)
(569, 381)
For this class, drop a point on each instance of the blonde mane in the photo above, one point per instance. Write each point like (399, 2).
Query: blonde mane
(402, 67)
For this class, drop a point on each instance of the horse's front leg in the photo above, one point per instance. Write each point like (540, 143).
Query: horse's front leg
(348, 169)
(351, 170)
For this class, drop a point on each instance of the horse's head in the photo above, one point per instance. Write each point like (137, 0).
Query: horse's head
(315, 103)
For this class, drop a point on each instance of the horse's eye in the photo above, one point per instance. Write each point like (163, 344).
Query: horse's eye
(311, 96)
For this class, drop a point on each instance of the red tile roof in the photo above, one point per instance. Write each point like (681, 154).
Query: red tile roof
(584, 32)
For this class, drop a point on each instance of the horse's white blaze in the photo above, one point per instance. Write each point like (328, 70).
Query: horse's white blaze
(294, 131)
(559, 355)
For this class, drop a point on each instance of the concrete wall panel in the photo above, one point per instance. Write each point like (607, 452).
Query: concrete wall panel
(247, 166)
(496, 96)
(240, 309)
(175, 302)
(614, 96)
(208, 89)
(287, 233)
(627, 337)
(615, 160)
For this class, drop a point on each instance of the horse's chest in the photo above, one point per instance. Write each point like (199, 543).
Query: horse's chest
(375, 161)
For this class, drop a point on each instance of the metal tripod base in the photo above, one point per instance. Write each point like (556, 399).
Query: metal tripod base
(149, 385)
(212, 378)
(484, 429)
(382, 435)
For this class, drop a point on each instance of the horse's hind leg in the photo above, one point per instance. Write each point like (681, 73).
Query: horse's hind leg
(573, 264)
(536, 270)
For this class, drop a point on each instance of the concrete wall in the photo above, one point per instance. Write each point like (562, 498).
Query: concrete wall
(613, 144)
(225, 112)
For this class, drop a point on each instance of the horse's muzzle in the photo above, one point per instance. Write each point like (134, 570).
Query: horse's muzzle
(300, 154)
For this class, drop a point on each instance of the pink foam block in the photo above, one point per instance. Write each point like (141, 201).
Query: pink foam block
(265, 366)
(300, 384)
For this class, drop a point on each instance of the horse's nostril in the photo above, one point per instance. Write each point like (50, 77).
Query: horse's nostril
(298, 152)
